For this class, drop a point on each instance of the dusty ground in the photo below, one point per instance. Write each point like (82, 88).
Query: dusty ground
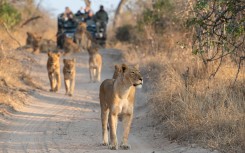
(53, 122)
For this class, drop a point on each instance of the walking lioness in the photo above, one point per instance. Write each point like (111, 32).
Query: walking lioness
(83, 37)
(69, 71)
(95, 63)
(131, 96)
(53, 67)
(114, 101)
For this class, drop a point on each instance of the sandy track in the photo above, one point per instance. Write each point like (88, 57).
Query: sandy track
(55, 123)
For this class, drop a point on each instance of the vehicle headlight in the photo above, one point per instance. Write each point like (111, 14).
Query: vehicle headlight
(70, 35)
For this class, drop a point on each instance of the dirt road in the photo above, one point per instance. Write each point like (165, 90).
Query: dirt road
(55, 123)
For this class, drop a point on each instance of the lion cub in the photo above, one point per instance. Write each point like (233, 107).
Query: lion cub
(69, 46)
(114, 100)
(69, 71)
(95, 63)
(38, 44)
(53, 67)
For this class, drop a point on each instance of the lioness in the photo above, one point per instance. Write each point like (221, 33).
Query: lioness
(95, 63)
(53, 67)
(38, 44)
(69, 46)
(82, 37)
(47, 45)
(33, 41)
(114, 100)
(131, 96)
(69, 71)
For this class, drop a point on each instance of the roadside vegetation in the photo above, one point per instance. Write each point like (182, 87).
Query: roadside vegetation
(16, 18)
(192, 56)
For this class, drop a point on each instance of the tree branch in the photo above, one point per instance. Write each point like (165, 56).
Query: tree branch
(238, 69)
(30, 20)
(7, 30)
(118, 12)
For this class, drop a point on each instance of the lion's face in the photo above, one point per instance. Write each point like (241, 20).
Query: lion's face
(32, 39)
(53, 59)
(69, 65)
(93, 49)
(132, 74)
(82, 25)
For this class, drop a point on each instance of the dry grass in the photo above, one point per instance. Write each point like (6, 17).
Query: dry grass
(186, 104)
(15, 80)
(208, 112)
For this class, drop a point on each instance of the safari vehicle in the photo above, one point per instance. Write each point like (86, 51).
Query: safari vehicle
(91, 27)
(68, 29)
(65, 29)
(100, 37)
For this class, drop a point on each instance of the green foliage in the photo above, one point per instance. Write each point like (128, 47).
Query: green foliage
(219, 29)
(201, 4)
(156, 16)
(9, 15)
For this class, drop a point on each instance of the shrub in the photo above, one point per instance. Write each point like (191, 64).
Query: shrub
(125, 33)
(9, 15)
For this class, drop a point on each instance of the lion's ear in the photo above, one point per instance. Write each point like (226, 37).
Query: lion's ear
(117, 67)
(124, 67)
(137, 66)
(49, 53)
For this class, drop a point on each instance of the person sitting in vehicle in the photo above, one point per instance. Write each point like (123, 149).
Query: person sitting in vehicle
(90, 16)
(80, 15)
(101, 19)
(87, 9)
(68, 15)
(80, 12)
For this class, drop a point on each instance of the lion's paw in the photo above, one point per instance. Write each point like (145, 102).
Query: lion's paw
(112, 147)
(125, 147)
(105, 144)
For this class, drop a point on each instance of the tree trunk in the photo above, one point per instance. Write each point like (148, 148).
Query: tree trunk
(118, 12)
(87, 2)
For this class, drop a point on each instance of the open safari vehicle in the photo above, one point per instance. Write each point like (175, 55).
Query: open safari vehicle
(67, 28)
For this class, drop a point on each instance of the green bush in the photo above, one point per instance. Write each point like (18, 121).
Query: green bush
(125, 33)
(9, 15)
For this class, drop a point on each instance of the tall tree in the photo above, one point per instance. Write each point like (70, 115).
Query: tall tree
(87, 2)
(119, 11)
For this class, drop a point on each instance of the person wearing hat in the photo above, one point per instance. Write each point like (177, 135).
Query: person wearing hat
(101, 18)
